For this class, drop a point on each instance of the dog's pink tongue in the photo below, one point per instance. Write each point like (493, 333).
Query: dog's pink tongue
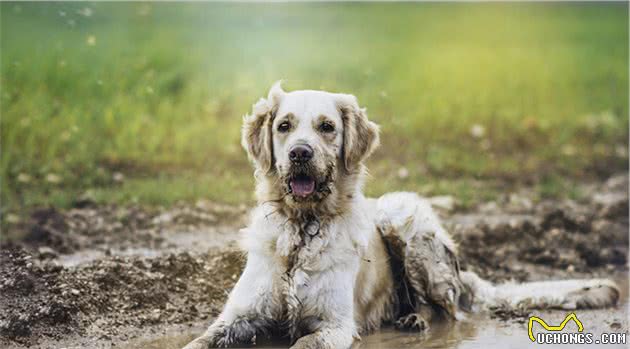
(302, 186)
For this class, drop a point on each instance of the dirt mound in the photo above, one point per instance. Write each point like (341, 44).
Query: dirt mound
(101, 300)
(44, 299)
(33, 298)
(588, 238)
(112, 226)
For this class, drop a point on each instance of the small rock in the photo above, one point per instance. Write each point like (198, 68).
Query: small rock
(615, 325)
(609, 199)
(489, 207)
(85, 200)
(164, 218)
(555, 232)
(520, 203)
(618, 182)
(46, 252)
(477, 131)
(156, 315)
(403, 173)
(53, 178)
(617, 207)
(23, 178)
(118, 177)
(12, 218)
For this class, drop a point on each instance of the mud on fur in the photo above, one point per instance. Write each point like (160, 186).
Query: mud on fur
(332, 286)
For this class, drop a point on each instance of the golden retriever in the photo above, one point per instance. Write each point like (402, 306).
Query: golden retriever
(326, 264)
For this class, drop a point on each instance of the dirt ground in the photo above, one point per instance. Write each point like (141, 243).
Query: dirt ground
(106, 276)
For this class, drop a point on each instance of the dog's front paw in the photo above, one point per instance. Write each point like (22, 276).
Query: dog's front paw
(202, 342)
(412, 322)
(309, 342)
(215, 337)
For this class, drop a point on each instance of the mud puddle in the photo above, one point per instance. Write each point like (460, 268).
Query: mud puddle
(107, 276)
(468, 334)
(476, 331)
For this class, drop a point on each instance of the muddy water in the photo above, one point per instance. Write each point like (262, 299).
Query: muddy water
(152, 282)
(477, 331)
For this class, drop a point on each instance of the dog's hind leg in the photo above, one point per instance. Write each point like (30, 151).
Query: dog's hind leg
(554, 294)
(425, 251)
(415, 237)
(418, 321)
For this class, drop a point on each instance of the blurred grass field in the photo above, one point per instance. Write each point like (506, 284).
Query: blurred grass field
(143, 102)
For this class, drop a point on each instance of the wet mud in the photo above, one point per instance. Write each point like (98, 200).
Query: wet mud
(131, 277)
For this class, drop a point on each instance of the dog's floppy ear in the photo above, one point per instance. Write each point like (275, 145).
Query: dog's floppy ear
(256, 135)
(360, 135)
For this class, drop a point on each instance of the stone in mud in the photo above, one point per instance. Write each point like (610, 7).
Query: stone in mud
(561, 219)
(545, 257)
(15, 326)
(47, 227)
(614, 209)
(613, 255)
(46, 252)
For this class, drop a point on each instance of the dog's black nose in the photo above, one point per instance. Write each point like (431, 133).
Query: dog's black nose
(300, 153)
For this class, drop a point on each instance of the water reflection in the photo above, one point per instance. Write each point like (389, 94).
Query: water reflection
(478, 331)
(445, 335)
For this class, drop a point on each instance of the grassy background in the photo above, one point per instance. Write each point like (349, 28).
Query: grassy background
(143, 102)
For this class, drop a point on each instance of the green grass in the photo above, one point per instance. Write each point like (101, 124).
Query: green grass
(157, 91)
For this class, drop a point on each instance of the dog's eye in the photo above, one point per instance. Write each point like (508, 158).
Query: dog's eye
(326, 127)
(284, 127)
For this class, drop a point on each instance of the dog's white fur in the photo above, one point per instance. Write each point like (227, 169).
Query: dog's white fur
(319, 268)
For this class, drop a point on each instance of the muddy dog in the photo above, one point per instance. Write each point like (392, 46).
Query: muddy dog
(326, 264)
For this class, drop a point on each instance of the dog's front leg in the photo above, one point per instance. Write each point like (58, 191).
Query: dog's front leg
(330, 298)
(327, 338)
(247, 311)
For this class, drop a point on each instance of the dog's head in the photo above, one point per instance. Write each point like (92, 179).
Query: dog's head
(307, 143)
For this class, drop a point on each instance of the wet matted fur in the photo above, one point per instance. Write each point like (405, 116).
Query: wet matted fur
(326, 264)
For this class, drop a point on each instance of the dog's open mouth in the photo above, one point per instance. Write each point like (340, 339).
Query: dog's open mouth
(302, 185)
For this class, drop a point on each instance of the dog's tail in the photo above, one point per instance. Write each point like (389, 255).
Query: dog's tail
(562, 294)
